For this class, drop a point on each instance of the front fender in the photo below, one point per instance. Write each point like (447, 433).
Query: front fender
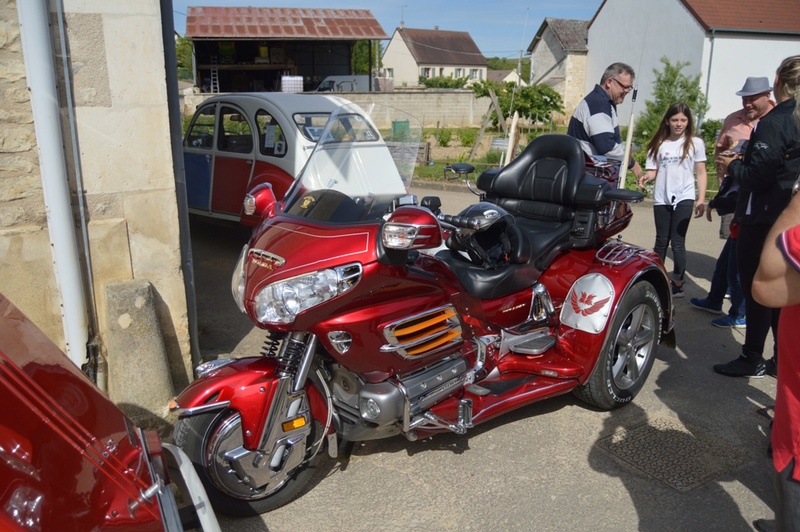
(247, 386)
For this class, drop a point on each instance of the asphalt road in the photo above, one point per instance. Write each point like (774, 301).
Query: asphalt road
(687, 454)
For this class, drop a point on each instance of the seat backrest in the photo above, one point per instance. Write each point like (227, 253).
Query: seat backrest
(541, 183)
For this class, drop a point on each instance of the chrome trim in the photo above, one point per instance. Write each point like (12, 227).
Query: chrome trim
(541, 293)
(616, 253)
(211, 366)
(210, 407)
(388, 348)
(305, 363)
(452, 323)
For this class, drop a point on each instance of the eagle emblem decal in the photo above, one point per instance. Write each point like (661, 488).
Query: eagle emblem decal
(585, 304)
(588, 305)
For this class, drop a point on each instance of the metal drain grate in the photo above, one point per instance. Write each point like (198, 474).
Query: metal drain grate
(666, 450)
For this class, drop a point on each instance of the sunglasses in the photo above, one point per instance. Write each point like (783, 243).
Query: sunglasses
(626, 88)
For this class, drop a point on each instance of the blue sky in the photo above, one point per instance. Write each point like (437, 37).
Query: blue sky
(500, 28)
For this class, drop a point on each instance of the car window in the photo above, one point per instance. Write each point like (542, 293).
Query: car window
(311, 124)
(235, 134)
(272, 141)
(201, 132)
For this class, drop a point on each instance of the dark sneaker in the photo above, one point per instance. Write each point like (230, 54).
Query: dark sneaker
(703, 304)
(677, 291)
(741, 368)
(771, 367)
(729, 322)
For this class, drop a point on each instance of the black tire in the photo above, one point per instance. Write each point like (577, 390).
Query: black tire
(629, 351)
(195, 434)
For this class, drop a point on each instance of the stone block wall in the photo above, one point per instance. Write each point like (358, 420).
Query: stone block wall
(27, 278)
(447, 108)
(116, 66)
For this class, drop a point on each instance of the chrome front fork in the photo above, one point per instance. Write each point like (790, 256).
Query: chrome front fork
(283, 442)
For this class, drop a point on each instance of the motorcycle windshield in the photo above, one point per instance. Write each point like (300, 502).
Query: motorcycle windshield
(360, 169)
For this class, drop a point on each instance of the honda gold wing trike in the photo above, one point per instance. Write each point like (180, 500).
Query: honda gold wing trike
(385, 316)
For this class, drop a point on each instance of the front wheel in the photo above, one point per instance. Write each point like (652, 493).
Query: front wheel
(628, 354)
(209, 439)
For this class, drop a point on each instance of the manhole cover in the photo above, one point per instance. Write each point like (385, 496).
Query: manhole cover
(666, 450)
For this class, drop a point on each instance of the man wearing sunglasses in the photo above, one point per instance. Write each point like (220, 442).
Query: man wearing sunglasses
(595, 122)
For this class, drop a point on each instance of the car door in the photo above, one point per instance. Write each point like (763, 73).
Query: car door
(198, 156)
(233, 160)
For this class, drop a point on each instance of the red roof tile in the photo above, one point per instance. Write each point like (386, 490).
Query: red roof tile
(766, 15)
(281, 23)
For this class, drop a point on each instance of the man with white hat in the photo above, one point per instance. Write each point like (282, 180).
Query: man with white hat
(735, 132)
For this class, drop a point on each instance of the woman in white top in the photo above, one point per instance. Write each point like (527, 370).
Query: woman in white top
(674, 156)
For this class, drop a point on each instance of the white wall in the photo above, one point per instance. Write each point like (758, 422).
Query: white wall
(735, 58)
(398, 57)
(639, 33)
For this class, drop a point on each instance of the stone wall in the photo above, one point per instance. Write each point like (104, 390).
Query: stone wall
(25, 261)
(446, 108)
(116, 66)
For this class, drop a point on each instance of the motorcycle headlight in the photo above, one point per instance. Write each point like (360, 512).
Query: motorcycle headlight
(237, 281)
(281, 302)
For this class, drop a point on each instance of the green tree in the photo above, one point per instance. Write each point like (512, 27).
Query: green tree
(183, 50)
(670, 86)
(359, 57)
(537, 100)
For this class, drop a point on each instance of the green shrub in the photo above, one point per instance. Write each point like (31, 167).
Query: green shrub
(443, 137)
(442, 82)
(492, 157)
(467, 136)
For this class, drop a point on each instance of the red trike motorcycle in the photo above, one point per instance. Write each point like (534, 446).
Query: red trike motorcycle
(384, 316)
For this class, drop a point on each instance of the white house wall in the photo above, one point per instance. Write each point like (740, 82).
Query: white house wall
(639, 33)
(737, 57)
(398, 57)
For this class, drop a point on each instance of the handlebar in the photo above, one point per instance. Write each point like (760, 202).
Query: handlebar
(460, 221)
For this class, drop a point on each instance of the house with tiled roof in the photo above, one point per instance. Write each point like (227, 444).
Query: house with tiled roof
(240, 49)
(558, 58)
(505, 76)
(724, 42)
(414, 53)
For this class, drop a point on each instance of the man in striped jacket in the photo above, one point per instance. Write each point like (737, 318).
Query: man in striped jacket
(595, 123)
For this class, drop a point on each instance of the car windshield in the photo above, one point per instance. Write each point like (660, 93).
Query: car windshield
(361, 167)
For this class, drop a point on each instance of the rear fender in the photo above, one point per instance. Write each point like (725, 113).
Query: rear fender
(593, 300)
(247, 386)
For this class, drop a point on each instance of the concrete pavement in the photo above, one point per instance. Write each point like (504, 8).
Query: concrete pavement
(687, 454)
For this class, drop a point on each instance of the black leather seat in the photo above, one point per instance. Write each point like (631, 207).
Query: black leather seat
(539, 188)
(518, 274)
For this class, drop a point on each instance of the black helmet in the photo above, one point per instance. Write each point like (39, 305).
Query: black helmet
(491, 244)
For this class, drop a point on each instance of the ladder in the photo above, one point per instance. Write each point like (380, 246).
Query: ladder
(214, 75)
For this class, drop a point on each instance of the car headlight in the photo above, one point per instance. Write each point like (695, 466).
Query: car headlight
(281, 302)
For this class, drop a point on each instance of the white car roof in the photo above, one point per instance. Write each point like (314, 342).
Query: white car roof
(288, 103)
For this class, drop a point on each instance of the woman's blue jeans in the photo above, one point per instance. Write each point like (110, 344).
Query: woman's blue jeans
(726, 279)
